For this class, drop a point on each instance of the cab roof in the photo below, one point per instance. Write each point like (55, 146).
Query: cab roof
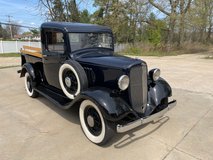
(76, 27)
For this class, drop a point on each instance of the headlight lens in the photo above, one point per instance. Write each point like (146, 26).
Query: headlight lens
(123, 82)
(154, 74)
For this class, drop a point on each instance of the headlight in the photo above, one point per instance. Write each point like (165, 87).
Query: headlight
(154, 74)
(123, 82)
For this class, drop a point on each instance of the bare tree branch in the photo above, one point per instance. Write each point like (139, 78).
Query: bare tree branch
(188, 6)
(159, 7)
(47, 6)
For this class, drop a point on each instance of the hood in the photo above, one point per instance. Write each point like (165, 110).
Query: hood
(111, 61)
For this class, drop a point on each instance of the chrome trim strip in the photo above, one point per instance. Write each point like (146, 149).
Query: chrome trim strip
(141, 121)
(144, 87)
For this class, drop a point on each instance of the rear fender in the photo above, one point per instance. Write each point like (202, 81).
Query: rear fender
(112, 108)
(27, 67)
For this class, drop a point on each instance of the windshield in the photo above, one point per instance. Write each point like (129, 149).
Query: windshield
(90, 40)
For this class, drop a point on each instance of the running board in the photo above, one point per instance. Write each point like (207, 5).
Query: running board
(58, 99)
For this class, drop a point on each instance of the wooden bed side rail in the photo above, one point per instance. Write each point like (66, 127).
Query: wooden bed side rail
(32, 48)
(33, 51)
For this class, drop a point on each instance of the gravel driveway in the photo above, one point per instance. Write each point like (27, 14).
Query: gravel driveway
(35, 129)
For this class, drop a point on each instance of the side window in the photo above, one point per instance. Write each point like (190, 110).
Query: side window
(54, 42)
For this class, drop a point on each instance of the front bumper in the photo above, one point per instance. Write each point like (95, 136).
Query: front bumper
(141, 121)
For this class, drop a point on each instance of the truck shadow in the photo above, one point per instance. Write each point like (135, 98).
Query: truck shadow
(117, 141)
(132, 137)
(70, 114)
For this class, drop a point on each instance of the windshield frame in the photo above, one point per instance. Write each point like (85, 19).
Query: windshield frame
(89, 48)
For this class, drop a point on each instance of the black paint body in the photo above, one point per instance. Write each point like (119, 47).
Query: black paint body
(103, 69)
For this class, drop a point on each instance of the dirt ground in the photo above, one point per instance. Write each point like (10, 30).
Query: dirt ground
(35, 129)
(9, 61)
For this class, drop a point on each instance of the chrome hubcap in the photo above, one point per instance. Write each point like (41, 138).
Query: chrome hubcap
(68, 82)
(90, 121)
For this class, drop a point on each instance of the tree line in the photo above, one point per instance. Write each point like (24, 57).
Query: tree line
(13, 31)
(167, 22)
(8, 31)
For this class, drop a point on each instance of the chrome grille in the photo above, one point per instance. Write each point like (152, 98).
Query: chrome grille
(138, 87)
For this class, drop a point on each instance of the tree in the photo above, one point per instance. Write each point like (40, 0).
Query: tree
(124, 17)
(184, 7)
(10, 30)
(113, 14)
(35, 32)
(57, 11)
(200, 20)
(98, 16)
(155, 31)
(15, 29)
(85, 16)
(132, 21)
(177, 9)
(1, 31)
(209, 4)
(74, 11)
(60, 10)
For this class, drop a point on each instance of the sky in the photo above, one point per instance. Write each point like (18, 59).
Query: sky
(25, 12)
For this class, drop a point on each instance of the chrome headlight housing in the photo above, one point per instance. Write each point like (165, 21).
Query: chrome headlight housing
(154, 74)
(123, 82)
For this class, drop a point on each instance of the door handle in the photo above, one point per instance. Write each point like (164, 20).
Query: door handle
(44, 55)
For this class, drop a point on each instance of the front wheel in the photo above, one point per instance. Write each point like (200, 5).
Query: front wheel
(93, 124)
(28, 86)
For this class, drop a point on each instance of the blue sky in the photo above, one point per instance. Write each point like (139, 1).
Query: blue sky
(25, 12)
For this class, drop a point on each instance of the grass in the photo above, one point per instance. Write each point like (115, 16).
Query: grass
(209, 57)
(3, 67)
(148, 49)
(139, 52)
(156, 53)
(9, 54)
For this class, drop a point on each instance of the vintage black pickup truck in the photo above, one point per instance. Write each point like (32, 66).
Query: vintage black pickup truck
(77, 67)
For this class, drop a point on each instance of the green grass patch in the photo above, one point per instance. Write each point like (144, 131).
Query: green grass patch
(159, 53)
(134, 51)
(209, 57)
(9, 54)
(3, 67)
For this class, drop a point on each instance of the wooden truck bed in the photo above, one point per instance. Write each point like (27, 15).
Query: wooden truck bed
(33, 51)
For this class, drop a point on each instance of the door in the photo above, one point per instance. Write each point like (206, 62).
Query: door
(53, 55)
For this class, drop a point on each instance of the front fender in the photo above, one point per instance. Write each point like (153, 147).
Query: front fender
(112, 108)
(158, 91)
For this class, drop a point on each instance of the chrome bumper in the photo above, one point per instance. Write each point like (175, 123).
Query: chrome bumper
(141, 121)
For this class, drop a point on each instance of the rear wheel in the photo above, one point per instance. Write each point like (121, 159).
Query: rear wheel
(93, 124)
(28, 86)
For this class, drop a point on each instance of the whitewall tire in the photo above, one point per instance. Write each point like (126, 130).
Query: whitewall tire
(72, 79)
(28, 86)
(63, 87)
(93, 124)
